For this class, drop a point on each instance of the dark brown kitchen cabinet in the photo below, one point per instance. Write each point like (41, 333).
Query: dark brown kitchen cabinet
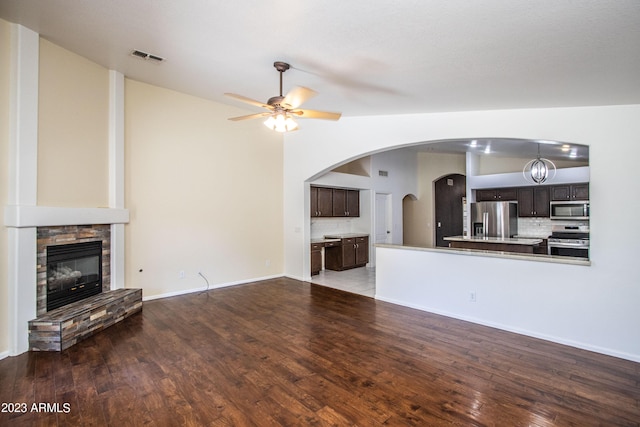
(346, 203)
(533, 202)
(334, 202)
(352, 252)
(362, 251)
(316, 257)
(496, 194)
(580, 191)
(570, 192)
(321, 202)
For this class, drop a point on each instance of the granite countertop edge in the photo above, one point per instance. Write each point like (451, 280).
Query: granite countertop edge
(345, 235)
(507, 240)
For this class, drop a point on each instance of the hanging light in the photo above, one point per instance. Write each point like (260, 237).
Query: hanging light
(281, 121)
(538, 170)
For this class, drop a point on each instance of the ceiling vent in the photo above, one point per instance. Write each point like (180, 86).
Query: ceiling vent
(147, 56)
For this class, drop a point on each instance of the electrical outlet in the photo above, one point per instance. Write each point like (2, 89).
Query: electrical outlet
(267, 263)
(181, 274)
(472, 296)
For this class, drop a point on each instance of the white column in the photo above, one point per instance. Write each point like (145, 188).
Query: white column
(116, 174)
(23, 181)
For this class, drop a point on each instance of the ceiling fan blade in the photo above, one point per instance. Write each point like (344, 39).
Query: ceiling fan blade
(248, 100)
(314, 114)
(250, 116)
(297, 96)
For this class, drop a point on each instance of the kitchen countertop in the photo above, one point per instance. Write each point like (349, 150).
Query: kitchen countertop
(324, 240)
(493, 254)
(345, 235)
(505, 240)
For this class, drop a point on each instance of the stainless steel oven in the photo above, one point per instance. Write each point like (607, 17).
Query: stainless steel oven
(569, 241)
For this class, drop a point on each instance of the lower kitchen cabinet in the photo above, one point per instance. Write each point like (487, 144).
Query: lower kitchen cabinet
(352, 252)
(316, 257)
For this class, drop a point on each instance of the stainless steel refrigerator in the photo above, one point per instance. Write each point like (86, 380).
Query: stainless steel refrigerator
(494, 219)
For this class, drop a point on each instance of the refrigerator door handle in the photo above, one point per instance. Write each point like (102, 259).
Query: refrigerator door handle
(485, 224)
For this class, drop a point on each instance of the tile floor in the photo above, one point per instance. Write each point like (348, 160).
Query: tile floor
(360, 281)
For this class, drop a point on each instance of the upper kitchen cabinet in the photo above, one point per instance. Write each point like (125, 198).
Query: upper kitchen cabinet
(497, 194)
(346, 203)
(570, 192)
(533, 202)
(334, 202)
(321, 202)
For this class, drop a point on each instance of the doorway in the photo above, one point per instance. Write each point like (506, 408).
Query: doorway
(449, 193)
(383, 219)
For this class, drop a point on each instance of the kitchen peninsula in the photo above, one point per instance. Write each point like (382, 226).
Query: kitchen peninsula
(499, 244)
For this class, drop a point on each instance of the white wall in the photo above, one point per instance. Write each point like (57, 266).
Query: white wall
(5, 72)
(593, 307)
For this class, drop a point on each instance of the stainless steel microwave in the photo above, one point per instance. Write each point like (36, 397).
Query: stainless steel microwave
(577, 209)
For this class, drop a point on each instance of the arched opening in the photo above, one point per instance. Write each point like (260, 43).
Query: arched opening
(412, 221)
(409, 175)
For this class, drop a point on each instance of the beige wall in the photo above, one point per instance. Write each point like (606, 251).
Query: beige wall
(73, 117)
(5, 56)
(418, 214)
(204, 193)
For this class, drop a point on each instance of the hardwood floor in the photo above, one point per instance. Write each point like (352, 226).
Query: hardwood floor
(283, 352)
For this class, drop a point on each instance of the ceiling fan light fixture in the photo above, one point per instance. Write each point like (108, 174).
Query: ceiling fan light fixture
(281, 122)
(283, 108)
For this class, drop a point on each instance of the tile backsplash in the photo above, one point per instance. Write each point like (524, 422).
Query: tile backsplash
(541, 227)
(322, 226)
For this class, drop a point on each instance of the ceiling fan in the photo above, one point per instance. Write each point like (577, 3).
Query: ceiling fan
(282, 109)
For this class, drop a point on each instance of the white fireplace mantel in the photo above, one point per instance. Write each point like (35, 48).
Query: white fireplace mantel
(20, 216)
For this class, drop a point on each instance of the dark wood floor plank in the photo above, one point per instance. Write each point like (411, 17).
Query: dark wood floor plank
(284, 352)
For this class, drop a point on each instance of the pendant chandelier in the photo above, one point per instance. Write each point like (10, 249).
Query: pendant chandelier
(539, 170)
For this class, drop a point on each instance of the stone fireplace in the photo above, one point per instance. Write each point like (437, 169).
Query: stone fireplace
(63, 242)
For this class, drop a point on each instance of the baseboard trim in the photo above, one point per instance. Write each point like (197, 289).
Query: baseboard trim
(557, 340)
(205, 288)
(4, 355)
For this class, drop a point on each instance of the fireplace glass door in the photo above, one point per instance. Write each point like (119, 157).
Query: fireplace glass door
(74, 272)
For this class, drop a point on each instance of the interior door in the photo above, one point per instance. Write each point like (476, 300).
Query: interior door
(449, 192)
(383, 218)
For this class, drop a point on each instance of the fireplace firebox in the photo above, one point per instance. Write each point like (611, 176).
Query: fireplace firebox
(74, 272)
